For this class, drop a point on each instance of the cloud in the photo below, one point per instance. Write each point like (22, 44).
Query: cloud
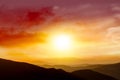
(21, 22)
(113, 34)
(22, 27)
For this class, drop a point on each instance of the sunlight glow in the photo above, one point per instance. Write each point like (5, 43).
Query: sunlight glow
(62, 42)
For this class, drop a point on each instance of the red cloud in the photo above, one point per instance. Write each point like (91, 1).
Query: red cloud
(15, 24)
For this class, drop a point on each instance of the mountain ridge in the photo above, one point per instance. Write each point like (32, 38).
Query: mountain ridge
(11, 70)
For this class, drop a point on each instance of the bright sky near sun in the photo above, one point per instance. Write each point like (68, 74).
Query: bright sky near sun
(62, 42)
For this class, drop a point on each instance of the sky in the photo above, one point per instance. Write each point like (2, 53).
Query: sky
(26, 25)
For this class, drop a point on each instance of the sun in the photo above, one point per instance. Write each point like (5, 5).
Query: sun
(62, 42)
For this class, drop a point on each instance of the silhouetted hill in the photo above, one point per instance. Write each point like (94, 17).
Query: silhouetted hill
(91, 75)
(111, 70)
(11, 70)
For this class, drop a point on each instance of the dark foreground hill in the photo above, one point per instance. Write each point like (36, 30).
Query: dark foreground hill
(10, 70)
(91, 75)
(110, 69)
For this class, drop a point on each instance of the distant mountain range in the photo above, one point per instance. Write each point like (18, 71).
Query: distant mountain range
(107, 69)
(10, 70)
(111, 70)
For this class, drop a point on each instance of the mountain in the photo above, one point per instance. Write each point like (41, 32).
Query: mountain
(91, 75)
(11, 70)
(111, 70)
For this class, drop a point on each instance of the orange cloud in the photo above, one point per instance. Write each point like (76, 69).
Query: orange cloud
(20, 39)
